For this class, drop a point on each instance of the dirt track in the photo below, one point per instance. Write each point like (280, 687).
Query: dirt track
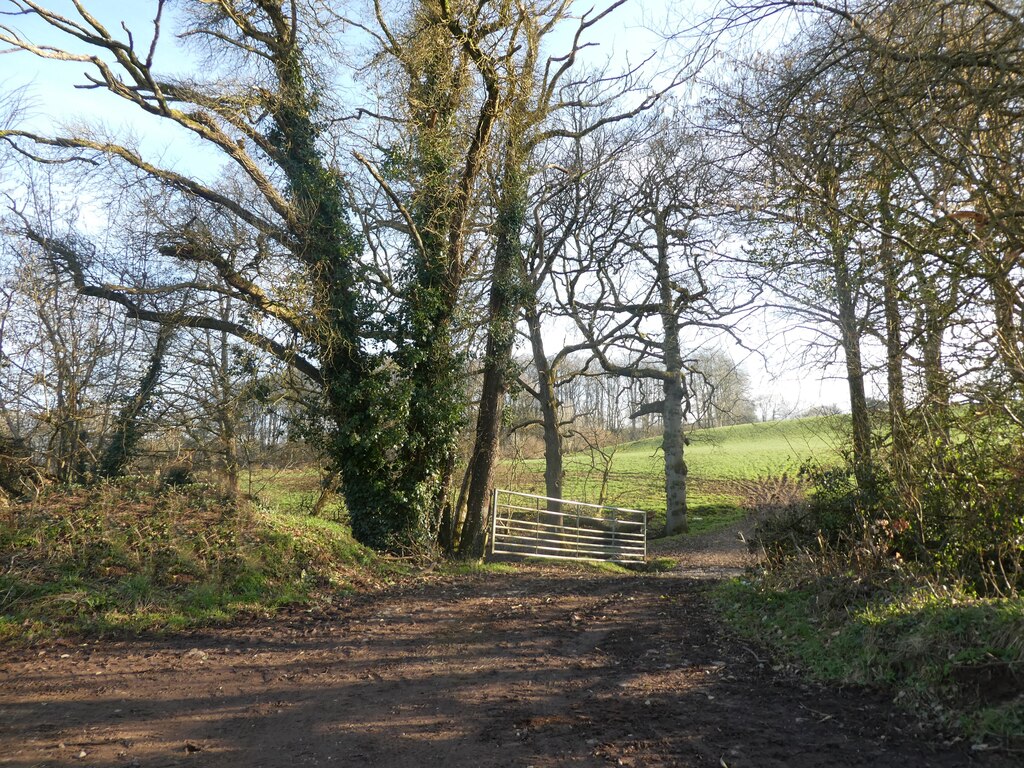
(546, 668)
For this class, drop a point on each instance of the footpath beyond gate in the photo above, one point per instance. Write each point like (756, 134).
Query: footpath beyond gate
(525, 525)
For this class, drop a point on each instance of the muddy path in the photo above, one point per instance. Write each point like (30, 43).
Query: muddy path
(548, 667)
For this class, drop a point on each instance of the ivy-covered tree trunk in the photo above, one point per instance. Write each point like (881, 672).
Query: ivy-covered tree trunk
(127, 430)
(442, 169)
(435, 410)
(392, 389)
(395, 418)
(360, 399)
(503, 311)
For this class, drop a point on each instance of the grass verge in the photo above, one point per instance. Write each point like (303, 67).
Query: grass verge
(127, 558)
(955, 660)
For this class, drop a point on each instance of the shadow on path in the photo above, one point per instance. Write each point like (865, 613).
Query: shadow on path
(548, 667)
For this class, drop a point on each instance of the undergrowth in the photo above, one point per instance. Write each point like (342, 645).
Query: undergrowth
(125, 557)
(856, 590)
(955, 660)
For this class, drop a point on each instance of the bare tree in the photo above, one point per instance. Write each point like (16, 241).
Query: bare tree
(543, 107)
(650, 278)
(807, 191)
(720, 390)
(128, 428)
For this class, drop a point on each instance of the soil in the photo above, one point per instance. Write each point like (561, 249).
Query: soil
(550, 666)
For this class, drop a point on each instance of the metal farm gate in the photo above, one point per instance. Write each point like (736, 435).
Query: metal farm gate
(537, 526)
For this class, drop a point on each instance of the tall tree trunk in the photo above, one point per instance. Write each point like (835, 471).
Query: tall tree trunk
(675, 463)
(850, 338)
(451, 521)
(936, 384)
(894, 351)
(65, 443)
(503, 311)
(485, 448)
(357, 397)
(1006, 305)
(676, 396)
(442, 209)
(931, 318)
(227, 408)
(548, 403)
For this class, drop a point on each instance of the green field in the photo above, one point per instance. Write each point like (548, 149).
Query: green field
(294, 490)
(729, 468)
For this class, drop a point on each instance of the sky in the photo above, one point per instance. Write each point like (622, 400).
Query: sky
(630, 34)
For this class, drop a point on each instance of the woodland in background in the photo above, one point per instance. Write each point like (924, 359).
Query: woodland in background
(384, 280)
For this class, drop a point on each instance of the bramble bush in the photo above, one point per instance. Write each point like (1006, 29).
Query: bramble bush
(953, 515)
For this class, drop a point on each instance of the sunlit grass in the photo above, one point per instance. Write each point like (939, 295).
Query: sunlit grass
(725, 465)
(951, 657)
(125, 557)
(294, 490)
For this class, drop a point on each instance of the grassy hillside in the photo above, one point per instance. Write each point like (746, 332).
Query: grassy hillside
(728, 467)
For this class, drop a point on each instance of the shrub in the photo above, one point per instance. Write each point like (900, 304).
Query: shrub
(956, 514)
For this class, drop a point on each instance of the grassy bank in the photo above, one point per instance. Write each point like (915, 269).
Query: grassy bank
(955, 660)
(129, 557)
(912, 587)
